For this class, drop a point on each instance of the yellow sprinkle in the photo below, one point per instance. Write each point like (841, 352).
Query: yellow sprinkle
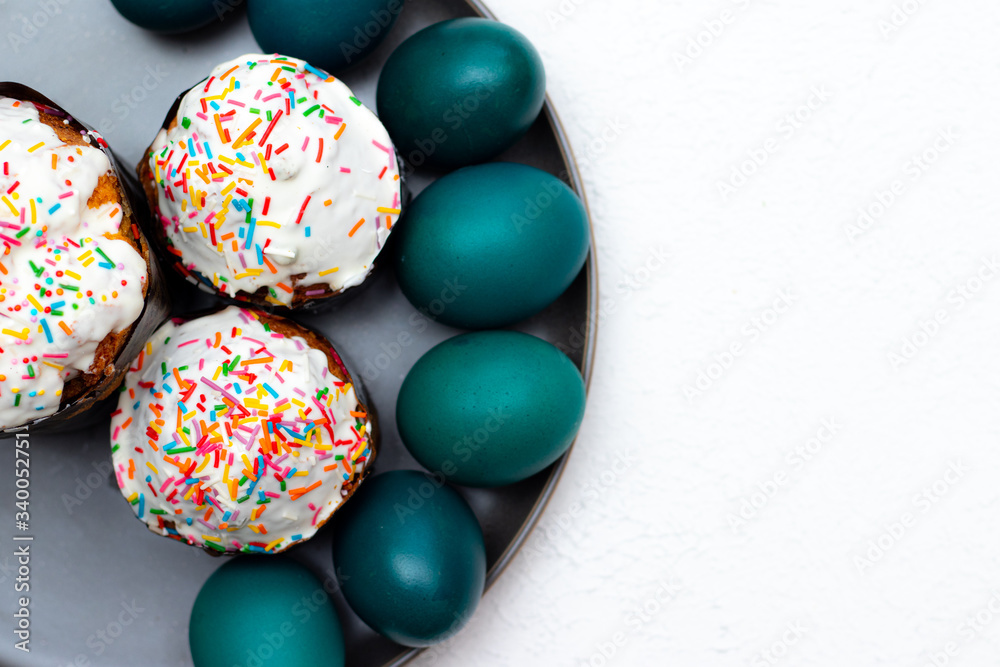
(383, 209)
(36, 147)
(150, 465)
(23, 335)
(72, 274)
(329, 271)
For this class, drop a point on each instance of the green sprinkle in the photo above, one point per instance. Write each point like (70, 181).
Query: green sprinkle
(355, 100)
(157, 511)
(311, 109)
(185, 122)
(23, 232)
(244, 498)
(72, 288)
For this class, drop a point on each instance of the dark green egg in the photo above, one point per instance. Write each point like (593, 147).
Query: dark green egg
(264, 610)
(489, 245)
(169, 16)
(326, 33)
(460, 92)
(491, 407)
(410, 557)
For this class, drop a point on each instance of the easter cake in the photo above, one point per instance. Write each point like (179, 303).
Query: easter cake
(74, 269)
(239, 431)
(272, 183)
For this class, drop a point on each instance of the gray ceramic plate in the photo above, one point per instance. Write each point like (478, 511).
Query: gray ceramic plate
(104, 590)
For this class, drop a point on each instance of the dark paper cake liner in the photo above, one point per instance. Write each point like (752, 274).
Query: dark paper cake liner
(313, 305)
(97, 402)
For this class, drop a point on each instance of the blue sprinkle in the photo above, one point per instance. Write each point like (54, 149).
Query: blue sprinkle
(45, 328)
(268, 387)
(208, 151)
(308, 234)
(321, 74)
(215, 105)
(55, 208)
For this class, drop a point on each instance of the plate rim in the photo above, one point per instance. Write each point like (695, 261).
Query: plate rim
(589, 348)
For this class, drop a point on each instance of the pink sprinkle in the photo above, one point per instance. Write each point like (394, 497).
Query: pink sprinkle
(345, 170)
(66, 194)
(305, 143)
(380, 146)
(235, 103)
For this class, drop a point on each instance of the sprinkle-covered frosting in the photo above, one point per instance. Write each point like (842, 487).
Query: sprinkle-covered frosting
(234, 437)
(274, 175)
(65, 284)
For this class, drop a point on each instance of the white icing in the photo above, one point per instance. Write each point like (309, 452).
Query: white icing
(298, 374)
(48, 233)
(355, 178)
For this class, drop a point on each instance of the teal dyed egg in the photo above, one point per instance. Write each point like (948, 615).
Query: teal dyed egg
(264, 610)
(489, 245)
(410, 557)
(170, 16)
(327, 34)
(491, 407)
(460, 92)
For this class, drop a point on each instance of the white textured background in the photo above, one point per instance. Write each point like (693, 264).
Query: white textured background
(661, 526)
(799, 504)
